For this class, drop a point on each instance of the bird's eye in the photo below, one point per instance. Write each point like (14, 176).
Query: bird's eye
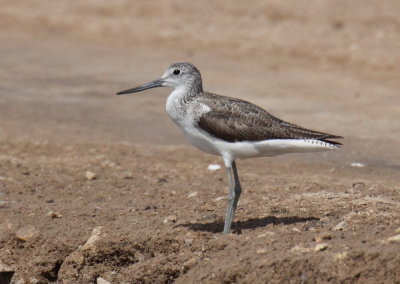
(177, 71)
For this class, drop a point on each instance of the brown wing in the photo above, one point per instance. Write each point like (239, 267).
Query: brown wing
(236, 120)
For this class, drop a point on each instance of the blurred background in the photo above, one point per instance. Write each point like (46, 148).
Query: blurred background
(331, 66)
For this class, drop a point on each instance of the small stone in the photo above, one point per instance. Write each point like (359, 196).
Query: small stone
(94, 237)
(213, 167)
(170, 219)
(189, 241)
(192, 194)
(265, 234)
(219, 198)
(4, 204)
(300, 249)
(357, 165)
(323, 237)
(128, 175)
(26, 233)
(296, 230)
(341, 226)
(100, 280)
(340, 255)
(324, 220)
(321, 247)
(90, 175)
(5, 268)
(395, 238)
(262, 251)
(53, 215)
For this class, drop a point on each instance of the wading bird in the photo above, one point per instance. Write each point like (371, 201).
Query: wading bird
(230, 127)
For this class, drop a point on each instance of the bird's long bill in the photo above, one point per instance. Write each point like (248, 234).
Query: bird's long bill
(150, 85)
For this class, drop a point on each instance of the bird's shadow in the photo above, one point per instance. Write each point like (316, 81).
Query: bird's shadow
(217, 226)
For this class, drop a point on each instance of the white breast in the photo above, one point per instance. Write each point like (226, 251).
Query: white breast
(173, 106)
(185, 117)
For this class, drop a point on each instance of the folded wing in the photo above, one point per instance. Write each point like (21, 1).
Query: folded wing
(235, 120)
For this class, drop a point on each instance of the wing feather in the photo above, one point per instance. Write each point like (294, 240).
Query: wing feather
(235, 120)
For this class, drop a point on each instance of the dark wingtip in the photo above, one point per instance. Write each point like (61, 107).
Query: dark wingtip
(333, 142)
(335, 137)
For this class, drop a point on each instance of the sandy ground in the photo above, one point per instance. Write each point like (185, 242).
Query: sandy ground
(95, 187)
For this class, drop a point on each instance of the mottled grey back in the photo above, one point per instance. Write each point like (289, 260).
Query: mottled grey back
(235, 120)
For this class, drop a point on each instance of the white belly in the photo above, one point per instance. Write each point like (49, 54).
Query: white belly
(250, 149)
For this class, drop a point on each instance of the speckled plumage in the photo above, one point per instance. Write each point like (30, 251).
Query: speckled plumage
(235, 120)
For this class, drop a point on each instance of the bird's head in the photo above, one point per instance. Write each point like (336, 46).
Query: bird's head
(177, 76)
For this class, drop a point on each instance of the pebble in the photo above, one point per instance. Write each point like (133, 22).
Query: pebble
(340, 255)
(5, 268)
(219, 198)
(100, 280)
(321, 247)
(90, 175)
(53, 215)
(3, 204)
(395, 238)
(94, 237)
(342, 225)
(357, 165)
(262, 251)
(324, 220)
(301, 249)
(267, 233)
(26, 233)
(323, 237)
(193, 194)
(170, 219)
(128, 175)
(189, 241)
(213, 167)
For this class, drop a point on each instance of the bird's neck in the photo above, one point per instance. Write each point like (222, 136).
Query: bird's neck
(194, 88)
(188, 92)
